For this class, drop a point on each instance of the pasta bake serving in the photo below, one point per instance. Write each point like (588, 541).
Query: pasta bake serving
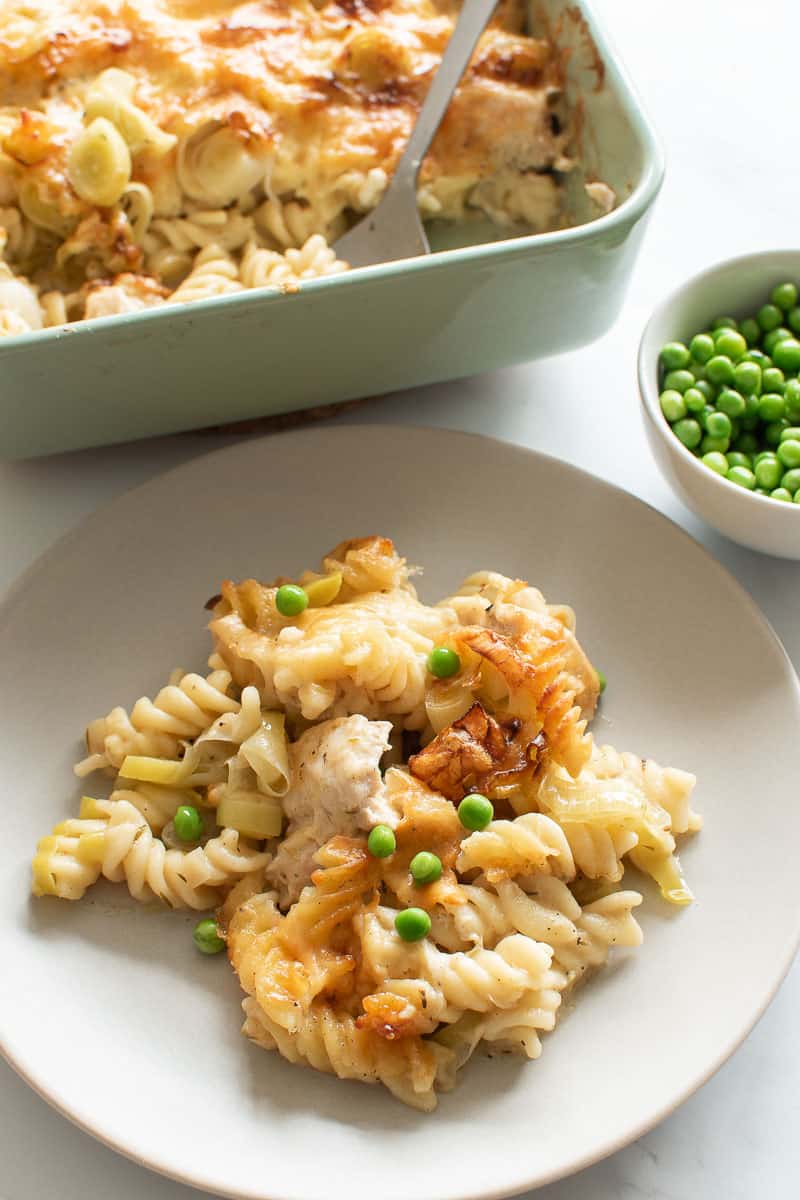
(412, 844)
(158, 151)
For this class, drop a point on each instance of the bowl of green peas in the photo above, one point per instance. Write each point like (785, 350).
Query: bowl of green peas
(719, 377)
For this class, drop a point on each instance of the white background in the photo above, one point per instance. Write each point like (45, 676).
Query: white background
(721, 80)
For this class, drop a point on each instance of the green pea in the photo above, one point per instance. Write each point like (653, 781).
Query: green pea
(412, 924)
(731, 402)
(731, 344)
(747, 377)
(793, 320)
(791, 394)
(747, 443)
(760, 491)
(797, 496)
(736, 428)
(675, 355)
(769, 317)
(738, 458)
(673, 405)
(757, 356)
(789, 453)
(750, 331)
(475, 811)
(743, 477)
(773, 431)
(765, 454)
(773, 380)
(768, 473)
(787, 354)
(425, 867)
(718, 425)
(791, 480)
(722, 323)
(711, 444)
(719, 369)
(679, 380)
(702, 347)
(707, 389)
(187, 823)
(291, 600)
(771, 406)
(381, 841)
(443, 662)
(751, 419)
(791, 431)
(206, 937)
(784, 296)
(689, 432)
(602, 682)
(716, 461)
(693, 400)
(780, 493)
(774, 338)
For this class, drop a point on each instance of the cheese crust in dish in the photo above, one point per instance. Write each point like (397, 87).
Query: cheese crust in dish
(313, 731)
(157, 150)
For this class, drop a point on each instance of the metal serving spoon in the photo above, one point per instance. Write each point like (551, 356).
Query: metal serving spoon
(393, 229)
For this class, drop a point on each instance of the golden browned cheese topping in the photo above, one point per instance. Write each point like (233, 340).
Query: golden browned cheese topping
(343, 81)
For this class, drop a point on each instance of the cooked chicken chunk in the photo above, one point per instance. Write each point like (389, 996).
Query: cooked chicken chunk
(336, 787)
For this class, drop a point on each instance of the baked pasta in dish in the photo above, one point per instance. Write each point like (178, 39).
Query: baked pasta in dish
(413, 845)
(169, 150)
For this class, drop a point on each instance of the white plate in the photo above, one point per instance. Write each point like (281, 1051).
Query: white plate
(107, 1010)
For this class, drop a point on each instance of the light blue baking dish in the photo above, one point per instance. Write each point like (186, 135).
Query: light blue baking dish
(453, 313)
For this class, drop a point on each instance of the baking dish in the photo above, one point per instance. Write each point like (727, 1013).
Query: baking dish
(463, 309)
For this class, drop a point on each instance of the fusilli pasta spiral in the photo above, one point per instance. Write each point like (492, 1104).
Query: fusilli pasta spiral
(156, 728)
(114, 839)
(331, 1041)
(213, 273)
(530, 843)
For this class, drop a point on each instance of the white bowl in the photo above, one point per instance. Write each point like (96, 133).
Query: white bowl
(737, 287)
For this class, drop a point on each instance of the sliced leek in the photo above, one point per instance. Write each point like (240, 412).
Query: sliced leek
(250, 814)
(166, 771)
(99, 166)
(324, 590)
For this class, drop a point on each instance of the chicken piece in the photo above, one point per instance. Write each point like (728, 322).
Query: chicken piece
(336, 788)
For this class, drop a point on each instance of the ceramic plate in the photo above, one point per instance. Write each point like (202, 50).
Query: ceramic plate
(107, 1010)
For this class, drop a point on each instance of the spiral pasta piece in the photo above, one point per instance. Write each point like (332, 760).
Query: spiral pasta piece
(182, 879)
(156, 728)
(666, 787)
(598, 852)
(540, 689)
(157, 803)
(262, 268)
(66, 862)
(365, 655)
(544, 910)
(518, 1027)
(331, 1041)
(602, 926)
(530, 843)
(213, 273)
(480, 980)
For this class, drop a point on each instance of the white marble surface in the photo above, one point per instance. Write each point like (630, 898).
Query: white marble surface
(719, 78)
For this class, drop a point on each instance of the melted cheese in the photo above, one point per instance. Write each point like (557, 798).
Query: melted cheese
(284, 116)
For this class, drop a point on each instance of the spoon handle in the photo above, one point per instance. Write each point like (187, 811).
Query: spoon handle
(471, 23)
